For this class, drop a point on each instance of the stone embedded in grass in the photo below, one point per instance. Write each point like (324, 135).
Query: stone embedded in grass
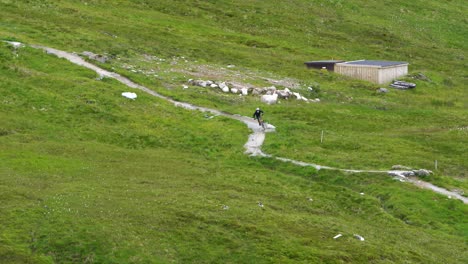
(400, 167)
(359, 237)
(337, 236)
(223, 86)
(399, 173)
(382, 90)
(129, 95)
(242, 89)
(284, 94)
(269, 99)
(15, 44)
(422, 172)
(97, 57)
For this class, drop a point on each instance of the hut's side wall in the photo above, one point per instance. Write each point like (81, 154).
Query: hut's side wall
(390, 73)
(359, 72)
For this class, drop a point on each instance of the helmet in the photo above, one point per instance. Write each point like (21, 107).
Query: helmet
(258, 108)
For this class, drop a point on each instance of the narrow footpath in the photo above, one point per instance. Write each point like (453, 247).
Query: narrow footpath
(255, 140)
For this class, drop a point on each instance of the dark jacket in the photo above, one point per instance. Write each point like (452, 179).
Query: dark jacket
(257, 114)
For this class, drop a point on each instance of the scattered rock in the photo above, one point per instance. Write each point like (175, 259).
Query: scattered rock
(223, 87)
(382, 90)
(300, 97)
(269, 99)
(407, 173)
(272, 93)
(400, 167)
(257, 91)
(337, 236)
(400, 174)
(129, 95)
(359, 237)
(15, 44)
(283, 94)
(422, 172)
(271, 89)
(96, 57)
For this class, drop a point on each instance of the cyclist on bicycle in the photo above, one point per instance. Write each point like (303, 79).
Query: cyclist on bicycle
(258, 116)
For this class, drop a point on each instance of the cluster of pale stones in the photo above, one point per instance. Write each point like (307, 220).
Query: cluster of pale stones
(269, 95)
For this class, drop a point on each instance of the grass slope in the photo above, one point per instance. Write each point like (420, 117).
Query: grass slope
(87, 176)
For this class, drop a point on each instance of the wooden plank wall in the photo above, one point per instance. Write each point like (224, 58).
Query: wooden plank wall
(359, 72)
(389, 74)
(372, 73)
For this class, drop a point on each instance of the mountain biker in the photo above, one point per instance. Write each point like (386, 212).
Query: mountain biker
(257, 115)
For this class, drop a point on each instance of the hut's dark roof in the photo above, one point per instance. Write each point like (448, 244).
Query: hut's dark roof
(376, 63)
(323, 61)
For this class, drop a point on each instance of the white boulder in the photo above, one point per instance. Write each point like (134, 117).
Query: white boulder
(422, 172)
(129, 95)
(300, 97)
(284, 94)
(223, 87)
(269, 99)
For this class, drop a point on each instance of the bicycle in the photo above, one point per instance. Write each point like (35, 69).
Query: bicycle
(261, 123)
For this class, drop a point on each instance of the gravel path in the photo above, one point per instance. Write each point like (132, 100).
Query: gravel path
(256, 139)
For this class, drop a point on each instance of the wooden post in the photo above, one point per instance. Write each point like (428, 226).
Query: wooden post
(321, 137)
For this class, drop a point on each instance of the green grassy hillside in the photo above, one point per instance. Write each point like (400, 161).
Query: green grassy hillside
(88, 176)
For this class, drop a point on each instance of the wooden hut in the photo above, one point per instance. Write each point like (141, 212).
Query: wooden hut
(372, 70)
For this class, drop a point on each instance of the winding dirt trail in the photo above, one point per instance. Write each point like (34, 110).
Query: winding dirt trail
(256, 139)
